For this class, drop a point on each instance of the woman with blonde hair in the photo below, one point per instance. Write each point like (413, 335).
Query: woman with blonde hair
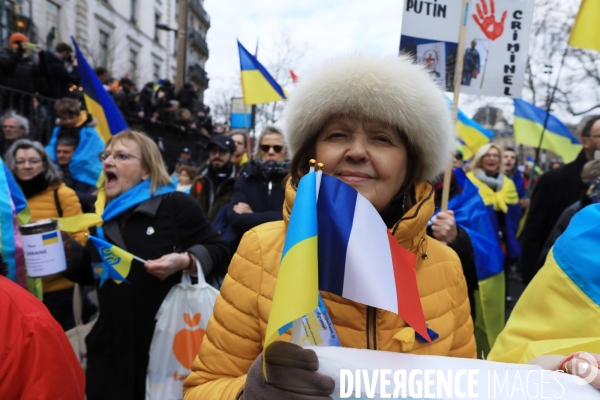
(500, 195)
(382, 126)
(147, 217)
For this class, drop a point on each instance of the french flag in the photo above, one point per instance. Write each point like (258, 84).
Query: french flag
(360, 260)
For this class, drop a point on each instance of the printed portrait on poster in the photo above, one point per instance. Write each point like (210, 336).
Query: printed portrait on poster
(433, 56)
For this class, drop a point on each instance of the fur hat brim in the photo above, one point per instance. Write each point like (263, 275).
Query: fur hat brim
(392, 90)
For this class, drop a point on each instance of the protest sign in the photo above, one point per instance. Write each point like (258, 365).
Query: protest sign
(369, 374)
(497, 42)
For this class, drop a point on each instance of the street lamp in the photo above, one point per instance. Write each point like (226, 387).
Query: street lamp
(164, 27)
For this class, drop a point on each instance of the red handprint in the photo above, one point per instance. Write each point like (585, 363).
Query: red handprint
(487, 20)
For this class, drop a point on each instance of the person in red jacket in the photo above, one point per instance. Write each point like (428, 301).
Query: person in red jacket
(36, 358)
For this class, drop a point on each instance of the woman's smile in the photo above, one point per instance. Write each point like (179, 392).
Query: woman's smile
(351, 177)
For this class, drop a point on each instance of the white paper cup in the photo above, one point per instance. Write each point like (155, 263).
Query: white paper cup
(43, 248)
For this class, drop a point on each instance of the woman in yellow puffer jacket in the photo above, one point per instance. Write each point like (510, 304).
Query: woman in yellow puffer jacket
(382, 126)
(48, 198)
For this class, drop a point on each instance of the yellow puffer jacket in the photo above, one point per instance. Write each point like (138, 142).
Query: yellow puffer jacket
(236, 332)
(43, 206)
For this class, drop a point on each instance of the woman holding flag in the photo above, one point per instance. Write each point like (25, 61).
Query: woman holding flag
(145, 216)
(381, 127)
(499, 194)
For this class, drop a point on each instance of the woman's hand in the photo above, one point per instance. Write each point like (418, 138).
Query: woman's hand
(444, 227)
(584, 365)
(167, 265)
(292, 374)
(242, 208)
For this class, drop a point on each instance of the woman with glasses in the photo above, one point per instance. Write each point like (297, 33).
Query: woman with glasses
(145, 216)
(48, 198)
(259, 194)
(500, 195)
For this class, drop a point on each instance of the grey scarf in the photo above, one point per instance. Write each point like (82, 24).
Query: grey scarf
(494, 183)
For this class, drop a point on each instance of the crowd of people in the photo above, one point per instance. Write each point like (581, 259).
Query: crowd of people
(380, 125)
(29, 72)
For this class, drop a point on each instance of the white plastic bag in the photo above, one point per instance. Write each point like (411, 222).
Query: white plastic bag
(78, 334)
(180, 327)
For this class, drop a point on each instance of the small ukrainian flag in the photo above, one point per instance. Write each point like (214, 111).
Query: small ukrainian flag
(258, 85)
(116, 262)
(50, 238)
(529, 125)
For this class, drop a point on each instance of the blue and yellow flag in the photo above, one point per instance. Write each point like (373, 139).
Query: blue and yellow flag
(98, 101)
(529, 124)
(505, 200)
(472, 135)
(84, 165)
(116, 262)
(297, 288)
(14, 212)
(471, 214)
(11, 203)
(586, 31)
(559, 312)
(258, 85)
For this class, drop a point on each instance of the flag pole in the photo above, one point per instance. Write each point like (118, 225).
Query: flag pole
(546, 119)
(460, 57)
(139, 259)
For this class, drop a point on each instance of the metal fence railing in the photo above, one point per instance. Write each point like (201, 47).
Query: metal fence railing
(39, 111)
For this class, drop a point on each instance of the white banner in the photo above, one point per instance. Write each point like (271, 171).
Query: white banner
(369, 374)
(497, 42)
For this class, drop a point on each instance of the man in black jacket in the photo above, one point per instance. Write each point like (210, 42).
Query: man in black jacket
(125, 98)
(59, 77)
(213, 188)
(555, 191)
(18, 71)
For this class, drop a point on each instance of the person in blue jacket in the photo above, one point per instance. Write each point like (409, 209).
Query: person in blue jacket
(79, 127)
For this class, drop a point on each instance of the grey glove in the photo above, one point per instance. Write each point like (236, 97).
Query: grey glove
(292, 375)
(591, 171)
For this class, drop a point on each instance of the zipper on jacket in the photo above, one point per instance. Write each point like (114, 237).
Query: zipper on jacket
(211, 197)
(270, 186)
(371, 328)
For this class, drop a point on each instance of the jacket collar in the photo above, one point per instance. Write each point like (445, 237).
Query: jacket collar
(410, 231)
(112, 229)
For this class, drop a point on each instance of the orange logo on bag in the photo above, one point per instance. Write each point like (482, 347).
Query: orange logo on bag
(187, 342)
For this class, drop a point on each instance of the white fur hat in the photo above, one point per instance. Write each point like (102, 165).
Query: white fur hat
(392, 90)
